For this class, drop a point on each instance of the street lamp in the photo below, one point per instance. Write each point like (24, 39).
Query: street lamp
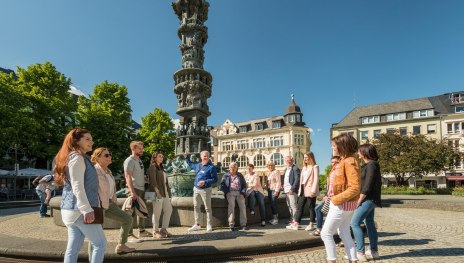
(15, 149)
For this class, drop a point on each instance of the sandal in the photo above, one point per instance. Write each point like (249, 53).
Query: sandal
(317, 232)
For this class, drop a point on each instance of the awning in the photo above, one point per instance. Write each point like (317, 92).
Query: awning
(455, 178)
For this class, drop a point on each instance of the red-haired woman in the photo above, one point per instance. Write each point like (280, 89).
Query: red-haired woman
(76, 173)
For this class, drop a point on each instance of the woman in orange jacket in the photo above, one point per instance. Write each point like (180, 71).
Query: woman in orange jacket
(344, 188)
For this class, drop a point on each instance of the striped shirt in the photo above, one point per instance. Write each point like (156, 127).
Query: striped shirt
(347, 206)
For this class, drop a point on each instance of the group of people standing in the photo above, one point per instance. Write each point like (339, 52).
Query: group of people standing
(88, 185)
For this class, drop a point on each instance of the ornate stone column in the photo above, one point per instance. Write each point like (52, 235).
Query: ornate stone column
(193, 85)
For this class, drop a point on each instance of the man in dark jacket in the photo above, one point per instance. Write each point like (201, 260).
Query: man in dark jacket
(291, 185)
(234, 187)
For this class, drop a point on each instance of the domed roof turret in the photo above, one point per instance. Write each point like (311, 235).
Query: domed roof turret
(292, 108)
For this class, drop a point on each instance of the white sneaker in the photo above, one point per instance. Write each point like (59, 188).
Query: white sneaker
(361, 257)
(209, 228)
(372, 254)
(274, 222)
(310, 227)
(194, 228)
(133, 239)
(292, 227)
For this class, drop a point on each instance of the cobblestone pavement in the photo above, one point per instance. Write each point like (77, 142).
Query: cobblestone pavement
(405, 235)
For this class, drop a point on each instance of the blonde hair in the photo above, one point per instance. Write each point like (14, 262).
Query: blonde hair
(312, 160)
(134, 144)
(96, 153)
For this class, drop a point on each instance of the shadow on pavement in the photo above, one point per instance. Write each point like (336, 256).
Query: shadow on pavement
(403, 242)
(390, 234)
(429, 252)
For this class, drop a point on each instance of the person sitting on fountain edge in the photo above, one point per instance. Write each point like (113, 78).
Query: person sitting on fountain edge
(205, 176)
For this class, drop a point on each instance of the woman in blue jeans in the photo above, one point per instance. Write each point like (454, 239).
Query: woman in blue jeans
(78, 176)
(371, 183)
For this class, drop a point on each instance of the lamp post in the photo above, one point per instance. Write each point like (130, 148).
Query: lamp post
(15, 149)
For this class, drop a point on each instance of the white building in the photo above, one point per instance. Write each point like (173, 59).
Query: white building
(262, 140)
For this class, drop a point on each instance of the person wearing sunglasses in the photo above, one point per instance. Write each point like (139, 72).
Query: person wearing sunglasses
(101, 158)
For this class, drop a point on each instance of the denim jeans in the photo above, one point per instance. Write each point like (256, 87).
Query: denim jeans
(365, 212)
(319, 215)
(273, 201)
(43, 206)
(252, 200)
(76, 234)
(337, 219)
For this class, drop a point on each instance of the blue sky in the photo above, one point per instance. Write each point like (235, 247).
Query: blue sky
(332, 55)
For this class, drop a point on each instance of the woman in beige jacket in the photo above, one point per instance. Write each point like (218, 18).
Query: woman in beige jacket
(309, 190)
(159, 184)
(273, 186)
(101, 157)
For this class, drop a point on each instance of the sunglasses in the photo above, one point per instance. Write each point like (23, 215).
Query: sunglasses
(141, 164)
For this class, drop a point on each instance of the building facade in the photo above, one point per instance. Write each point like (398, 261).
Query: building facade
(262, 140)
(438, 117)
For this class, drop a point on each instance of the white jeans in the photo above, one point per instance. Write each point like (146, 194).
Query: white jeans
(292, 203)
(205, 196)
(158, 205)
(337, 219)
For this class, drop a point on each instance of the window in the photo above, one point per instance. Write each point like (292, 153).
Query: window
(226, 162)
(277, 159)
(243, 128)
(276, 124)
(376, 133)
(291, 118)
(298, 159)
(450, 127)
(364, 135)
(390, 130)
(298, 118)
(370, 119)
(227, 146)
(453, 143)
(431, 128)
(403, 131)
(259, 143)
(242, 161)
(259, 160)
(396, 116)
(416, 129)
(459, 109)
(422, 113)
(277, 141)
(457, 127)
(298, 139)
(242, 145)
(259, 126)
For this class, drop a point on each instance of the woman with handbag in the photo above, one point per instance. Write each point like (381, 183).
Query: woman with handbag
(76, 173)
(371, 187)
(101, 158)
(344, 189)
(308, 191)
(158, 183)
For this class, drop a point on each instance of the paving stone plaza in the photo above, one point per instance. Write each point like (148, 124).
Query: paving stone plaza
(407, 233)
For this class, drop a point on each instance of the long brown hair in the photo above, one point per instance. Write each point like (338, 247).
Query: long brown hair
(346, 144)
(61, 158)
(312, 159)
(153, 160)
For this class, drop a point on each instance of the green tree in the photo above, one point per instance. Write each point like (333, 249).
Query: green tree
(45, 109)
(107, 115)
(158, 133)
(413, 156)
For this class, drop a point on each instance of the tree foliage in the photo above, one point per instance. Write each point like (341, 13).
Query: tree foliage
(107, 115)
(158, 133)
(38, 109)
(413, 156)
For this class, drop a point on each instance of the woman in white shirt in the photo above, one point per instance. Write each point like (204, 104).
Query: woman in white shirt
(76, 173)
